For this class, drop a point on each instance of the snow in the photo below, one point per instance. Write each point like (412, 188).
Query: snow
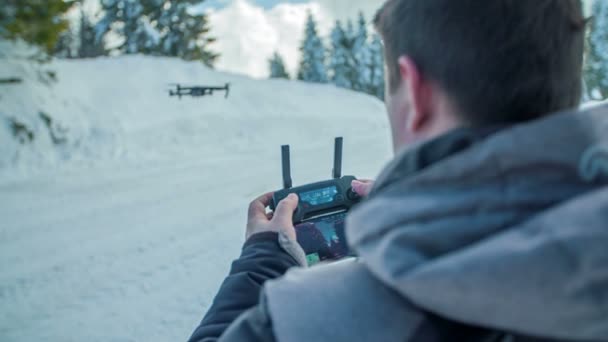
(124, 231)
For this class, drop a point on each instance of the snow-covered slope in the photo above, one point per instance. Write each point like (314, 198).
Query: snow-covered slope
(119, 108)
(119, 219)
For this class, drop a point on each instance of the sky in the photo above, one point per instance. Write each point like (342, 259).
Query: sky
(250, 31)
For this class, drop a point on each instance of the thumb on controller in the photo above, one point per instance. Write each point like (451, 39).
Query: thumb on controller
(284, 212)
(362, 187)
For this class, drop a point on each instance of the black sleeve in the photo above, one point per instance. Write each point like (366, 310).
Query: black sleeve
(252, 326)
(262, 259)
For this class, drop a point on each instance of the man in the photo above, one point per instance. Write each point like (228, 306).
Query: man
(491, 223)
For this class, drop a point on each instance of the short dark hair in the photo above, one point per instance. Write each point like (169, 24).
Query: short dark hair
(501, 61)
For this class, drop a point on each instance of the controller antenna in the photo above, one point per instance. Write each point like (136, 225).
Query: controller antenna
(285, 160)
(337, 171)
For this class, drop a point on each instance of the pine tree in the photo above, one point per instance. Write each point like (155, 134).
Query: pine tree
(312, 66)
(352, 65)
(350, 29)
(356, 62)
(88, 45)
(341, 75)
(377, 82)
(131, 23)
(158, 27)
(277, 67)
(65, 46)
(596, 65)
(362, 56)
(183, 34)
(38, 22)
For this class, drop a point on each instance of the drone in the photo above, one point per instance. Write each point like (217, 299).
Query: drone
(197, 91)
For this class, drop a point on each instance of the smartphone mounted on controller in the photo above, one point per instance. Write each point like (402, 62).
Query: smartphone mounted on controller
(322, 208)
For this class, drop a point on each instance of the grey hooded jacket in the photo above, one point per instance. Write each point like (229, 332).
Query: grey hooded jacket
(505, 231)
(509, 234)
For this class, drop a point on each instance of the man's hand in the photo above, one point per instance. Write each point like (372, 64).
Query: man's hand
(363, 186)
(279, 221)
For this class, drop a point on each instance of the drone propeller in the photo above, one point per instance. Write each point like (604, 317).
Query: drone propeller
(174, 85)
(227, 90)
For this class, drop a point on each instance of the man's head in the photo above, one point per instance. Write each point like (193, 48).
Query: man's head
(477, 62)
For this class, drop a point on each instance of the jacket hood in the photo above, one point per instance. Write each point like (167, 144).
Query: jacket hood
(508, 230)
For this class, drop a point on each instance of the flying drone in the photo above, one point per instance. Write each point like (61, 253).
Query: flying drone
(197, 91)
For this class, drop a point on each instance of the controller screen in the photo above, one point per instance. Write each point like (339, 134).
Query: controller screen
(323, 238)
(320, 196)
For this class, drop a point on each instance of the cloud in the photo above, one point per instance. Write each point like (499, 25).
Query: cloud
(345, 9)
(248, 34)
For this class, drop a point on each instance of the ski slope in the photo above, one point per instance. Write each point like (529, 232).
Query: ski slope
(125, 229)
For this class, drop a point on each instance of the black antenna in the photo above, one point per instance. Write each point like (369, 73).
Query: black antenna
(338, 158)
(287, 184)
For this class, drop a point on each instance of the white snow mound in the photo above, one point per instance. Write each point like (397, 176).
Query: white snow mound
(119, 108)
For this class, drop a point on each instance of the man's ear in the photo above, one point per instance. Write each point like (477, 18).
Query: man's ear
(418, 93)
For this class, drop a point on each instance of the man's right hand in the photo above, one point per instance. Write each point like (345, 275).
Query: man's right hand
(362, 186)
(258, 221)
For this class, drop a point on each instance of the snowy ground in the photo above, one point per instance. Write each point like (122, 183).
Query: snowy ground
(124, 231)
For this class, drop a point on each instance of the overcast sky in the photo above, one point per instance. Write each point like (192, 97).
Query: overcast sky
(249, 31)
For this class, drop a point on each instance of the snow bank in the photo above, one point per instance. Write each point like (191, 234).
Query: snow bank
(42, 121)
(119, 108)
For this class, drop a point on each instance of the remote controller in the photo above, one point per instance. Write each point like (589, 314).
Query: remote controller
(319, 218)
(321, 198)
